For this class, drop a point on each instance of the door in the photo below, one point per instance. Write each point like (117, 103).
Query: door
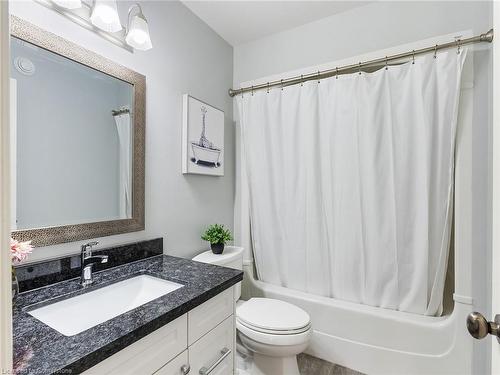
(495, 252)
(477, 324)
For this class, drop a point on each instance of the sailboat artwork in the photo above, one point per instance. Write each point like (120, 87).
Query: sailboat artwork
(203, 138)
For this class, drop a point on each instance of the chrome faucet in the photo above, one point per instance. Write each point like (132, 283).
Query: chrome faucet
(88, 261)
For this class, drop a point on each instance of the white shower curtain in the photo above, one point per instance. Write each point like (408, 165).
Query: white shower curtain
(351, 183)
(123, 128)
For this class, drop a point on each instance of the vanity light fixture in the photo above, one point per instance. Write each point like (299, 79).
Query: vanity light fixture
(138, 29)
(101, 17)
(69, 4)
(105, 16)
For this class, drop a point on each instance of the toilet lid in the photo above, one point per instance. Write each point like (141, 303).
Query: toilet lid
(272, 314)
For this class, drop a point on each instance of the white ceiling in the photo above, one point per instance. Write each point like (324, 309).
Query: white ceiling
(243, 21)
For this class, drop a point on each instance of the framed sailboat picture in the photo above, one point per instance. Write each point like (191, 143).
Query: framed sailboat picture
(202, 138)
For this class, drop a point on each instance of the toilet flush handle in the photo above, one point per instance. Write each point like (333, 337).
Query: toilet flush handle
(479, 327)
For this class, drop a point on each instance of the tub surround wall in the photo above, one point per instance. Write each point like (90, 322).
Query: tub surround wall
(187, 57)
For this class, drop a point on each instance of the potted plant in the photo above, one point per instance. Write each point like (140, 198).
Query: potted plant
(217, 235)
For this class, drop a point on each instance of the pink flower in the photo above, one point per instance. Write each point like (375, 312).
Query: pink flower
(19, 250)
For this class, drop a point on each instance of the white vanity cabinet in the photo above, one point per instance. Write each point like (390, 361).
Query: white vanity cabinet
(201, 342)
(213, 353)
(177, 366)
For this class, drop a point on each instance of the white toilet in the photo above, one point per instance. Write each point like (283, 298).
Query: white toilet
(274, 331)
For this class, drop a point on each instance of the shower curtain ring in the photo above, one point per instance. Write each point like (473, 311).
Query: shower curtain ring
(301, 80)
(359, 68)
(435, 51)
(268, 87)
(318, 78)
(281, 85)
(458, 45)
(252, 90)
(337, 72)
(413, 57)
(386, 67)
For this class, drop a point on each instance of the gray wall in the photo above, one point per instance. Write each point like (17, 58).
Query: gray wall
(379, 25)
(187, 57)
(67, 144)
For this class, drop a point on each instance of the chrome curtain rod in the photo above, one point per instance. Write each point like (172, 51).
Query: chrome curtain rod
(486, 37)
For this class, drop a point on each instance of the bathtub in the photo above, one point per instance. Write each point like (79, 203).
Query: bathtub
(208, 155)
(375, 340)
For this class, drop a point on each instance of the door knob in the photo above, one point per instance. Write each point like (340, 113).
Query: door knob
(479, 327)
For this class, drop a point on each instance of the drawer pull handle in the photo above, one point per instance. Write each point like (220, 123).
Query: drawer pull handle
(185, 369)
(225, 352)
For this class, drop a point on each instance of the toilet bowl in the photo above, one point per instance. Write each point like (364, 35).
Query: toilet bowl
(273, 331)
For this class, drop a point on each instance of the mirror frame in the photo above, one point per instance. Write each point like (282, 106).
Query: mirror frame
(45, 236)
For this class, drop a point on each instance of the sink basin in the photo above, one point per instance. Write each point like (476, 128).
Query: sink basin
(79, 313)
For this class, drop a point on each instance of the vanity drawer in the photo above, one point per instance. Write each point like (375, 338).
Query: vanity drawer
(206, 316)
(214, 351)
(149, 353)
(175, 366)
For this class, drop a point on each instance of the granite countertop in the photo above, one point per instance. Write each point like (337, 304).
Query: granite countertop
(39, 349)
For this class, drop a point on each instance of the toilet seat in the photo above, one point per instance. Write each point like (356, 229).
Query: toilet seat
(273, 322)
(273, 316)
(282, 340)
(274, 332)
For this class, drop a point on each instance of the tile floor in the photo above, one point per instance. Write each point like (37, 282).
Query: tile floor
(308, 365)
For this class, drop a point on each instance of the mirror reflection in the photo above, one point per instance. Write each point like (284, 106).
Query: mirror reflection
(72, 135)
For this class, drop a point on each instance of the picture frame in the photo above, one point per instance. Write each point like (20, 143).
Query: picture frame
(202, 138)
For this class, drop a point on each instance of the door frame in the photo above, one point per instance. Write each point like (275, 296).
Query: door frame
(5, 261)
(495, 250)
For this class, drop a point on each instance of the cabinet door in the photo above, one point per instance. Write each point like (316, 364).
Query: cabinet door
(177, 366)
(214, 351)
(206, 316)
(147, 355)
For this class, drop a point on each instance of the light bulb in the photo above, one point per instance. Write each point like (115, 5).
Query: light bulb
(105, 15)
(138, 31)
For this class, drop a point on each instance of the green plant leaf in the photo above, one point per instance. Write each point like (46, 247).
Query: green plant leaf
(216, 234)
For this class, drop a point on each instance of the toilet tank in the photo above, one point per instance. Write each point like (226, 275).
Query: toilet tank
(232, 257)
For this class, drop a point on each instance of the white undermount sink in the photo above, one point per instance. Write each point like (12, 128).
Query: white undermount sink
(79, 313)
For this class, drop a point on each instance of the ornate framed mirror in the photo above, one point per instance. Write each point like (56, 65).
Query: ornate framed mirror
(77, 138)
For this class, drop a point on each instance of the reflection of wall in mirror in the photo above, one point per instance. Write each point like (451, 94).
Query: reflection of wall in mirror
(68, 147)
